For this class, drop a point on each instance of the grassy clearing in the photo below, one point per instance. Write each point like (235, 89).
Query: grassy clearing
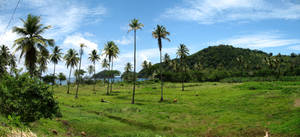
(204, 109)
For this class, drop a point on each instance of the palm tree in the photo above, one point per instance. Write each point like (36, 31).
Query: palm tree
(71, 59)
(182, 53)
(31, 41)
(4, 55)
(90, 70)
(61, 77)
(160, 33)
(55, 57)
(128, 67)
(134, 25)
(93, 58)
(43, 61)
(167, 59)
(12, 63)
(105, 65)
(78, 80)
(111, 51)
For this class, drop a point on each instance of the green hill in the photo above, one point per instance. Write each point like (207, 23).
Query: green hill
(216, 62)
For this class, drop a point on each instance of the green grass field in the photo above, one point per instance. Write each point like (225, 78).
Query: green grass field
(203, 109)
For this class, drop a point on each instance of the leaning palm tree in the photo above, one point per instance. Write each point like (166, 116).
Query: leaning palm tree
(134, 25)
(93, 58)
(105, 65)
(55, 57)
(182, 53)
(42, 60)
(78, 80)
(71, 59)
(31, 41)
(111, 51)
(160, 33)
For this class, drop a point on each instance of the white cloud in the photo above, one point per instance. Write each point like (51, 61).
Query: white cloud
(214, 11)
(296, 47)
(259, 41)
(124, 41)
(74, 41)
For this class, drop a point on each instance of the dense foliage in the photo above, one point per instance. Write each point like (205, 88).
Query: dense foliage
(26, 97)
(218, 62)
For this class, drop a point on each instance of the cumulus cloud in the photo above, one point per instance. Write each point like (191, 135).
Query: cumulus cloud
(214, 11)
(125, 40)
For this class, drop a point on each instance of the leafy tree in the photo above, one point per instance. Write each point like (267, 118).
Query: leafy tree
(61, 77)
(71, 59)
(111, 51)
(182, 53)
(78, 74)
(94, 57)
(31, 42)
(128, 67)
(160, 33)
(55, 57)
(134, 25)
(167, 59)
(90, 69)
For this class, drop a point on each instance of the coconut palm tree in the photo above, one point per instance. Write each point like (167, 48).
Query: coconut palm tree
(167, 59)
(61, 77)
(78, 80)
(55, 57)
(94, 57)
(71, 59)
(111, 51)
(12, 63)
(134, 25)
(90, 70)
(42, 60)
(105, 65)
(31, 41)
(4, 55)
(128, 67)
(182, 53)
(160, 33)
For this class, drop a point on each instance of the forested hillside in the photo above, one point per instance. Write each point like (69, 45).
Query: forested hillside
(218, 62)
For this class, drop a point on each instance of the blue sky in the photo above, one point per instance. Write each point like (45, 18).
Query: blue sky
(268, 25)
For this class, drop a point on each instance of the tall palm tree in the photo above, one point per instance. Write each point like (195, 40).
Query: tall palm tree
(105, 65)
(93, 58)
(111, 51)
(31, 41)
(42, 60)
(134, 25)
(160, 33)
(90, 69)
(71, 59)
(55, 57)
(78, 80)
(182, 53)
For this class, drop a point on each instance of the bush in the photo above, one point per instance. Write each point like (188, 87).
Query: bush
(26, 97)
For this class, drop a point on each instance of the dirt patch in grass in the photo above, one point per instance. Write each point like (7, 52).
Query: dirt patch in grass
(297, 102)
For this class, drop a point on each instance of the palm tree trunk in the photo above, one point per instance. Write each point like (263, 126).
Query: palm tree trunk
(161, 80)
(112, 81)
(68, 92)
(78, 81)
(134, 76)
(94, 78)
(108, 82)
(53, 77)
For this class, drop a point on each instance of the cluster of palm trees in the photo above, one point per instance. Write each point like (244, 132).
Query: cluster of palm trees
(34, 48)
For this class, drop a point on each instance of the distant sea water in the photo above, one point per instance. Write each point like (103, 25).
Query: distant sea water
(116, 79)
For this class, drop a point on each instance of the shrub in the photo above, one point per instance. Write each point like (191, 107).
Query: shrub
(26, 97)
